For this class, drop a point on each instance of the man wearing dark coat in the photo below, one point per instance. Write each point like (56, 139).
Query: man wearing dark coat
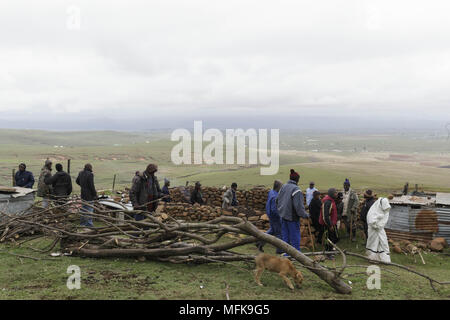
(61, 184)
(369, 200)
(88, 193)
(24, 178)
(196, 195)
(145, 191)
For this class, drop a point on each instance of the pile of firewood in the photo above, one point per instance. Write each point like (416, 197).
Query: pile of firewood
(255, 198)
(188, 212)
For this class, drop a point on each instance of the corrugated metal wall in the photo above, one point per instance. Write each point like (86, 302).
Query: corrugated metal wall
(403, 219)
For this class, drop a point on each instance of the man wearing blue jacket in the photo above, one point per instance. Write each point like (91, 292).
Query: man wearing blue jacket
(24, 178)
(291, 208)
(272, 213)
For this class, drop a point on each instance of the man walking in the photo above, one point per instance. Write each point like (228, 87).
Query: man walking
(23, 178)
(229, 197)
(351, 204)
(145, 191)
(274, 217)
(88, 193)
(291, 207)
(61, 184)
(310, 193)
(44, 188)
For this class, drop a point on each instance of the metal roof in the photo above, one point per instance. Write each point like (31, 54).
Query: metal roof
(413, 200)
(443, 199)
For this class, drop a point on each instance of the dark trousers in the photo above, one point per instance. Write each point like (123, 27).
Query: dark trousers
(333, 236)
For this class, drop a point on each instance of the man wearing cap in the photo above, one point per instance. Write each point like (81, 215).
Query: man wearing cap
(44, 185)
(291, 208)
(369, 200)
(196, 195)
(145, 191)
(351, 204)
(310, 193)
(23, 178)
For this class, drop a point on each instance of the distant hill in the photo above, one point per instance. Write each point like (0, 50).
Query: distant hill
(72, 138)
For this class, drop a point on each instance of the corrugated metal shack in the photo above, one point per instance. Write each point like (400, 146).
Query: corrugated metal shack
(419, 218)
(15, 200)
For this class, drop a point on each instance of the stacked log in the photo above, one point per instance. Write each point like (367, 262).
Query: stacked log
(254, 198)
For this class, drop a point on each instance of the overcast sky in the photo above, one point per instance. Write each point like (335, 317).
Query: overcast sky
(134, 60)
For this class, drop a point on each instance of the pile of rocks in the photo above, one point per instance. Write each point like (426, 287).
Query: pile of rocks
(406, 246)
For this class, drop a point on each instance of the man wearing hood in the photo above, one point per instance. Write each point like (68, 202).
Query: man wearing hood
(377, 243)
(291, 208)
(328, 218)
(44, 186)
(145, 191)
(24, 178)
(351, 205)
(61, 184)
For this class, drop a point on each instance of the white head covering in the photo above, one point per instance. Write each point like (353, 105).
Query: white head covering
(378, 215)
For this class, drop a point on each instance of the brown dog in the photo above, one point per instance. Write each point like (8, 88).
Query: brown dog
(282, 266)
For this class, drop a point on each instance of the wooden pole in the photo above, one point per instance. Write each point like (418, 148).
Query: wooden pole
(68, 166)
(13, 177)
(310, 235)
(114, 184)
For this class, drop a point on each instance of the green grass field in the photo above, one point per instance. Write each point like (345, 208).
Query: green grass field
(382, 163)
(130, 279)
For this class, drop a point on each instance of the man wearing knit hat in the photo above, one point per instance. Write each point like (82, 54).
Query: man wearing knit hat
(291, 208)
(351, 205)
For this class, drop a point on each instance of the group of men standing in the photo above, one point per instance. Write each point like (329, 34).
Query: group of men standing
(285, 206)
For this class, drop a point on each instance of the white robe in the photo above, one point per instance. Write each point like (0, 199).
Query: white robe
(377, 243)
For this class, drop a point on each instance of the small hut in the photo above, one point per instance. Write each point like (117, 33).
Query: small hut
(419, 218)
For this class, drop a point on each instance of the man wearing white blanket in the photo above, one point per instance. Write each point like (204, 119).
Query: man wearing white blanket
(377, 242)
